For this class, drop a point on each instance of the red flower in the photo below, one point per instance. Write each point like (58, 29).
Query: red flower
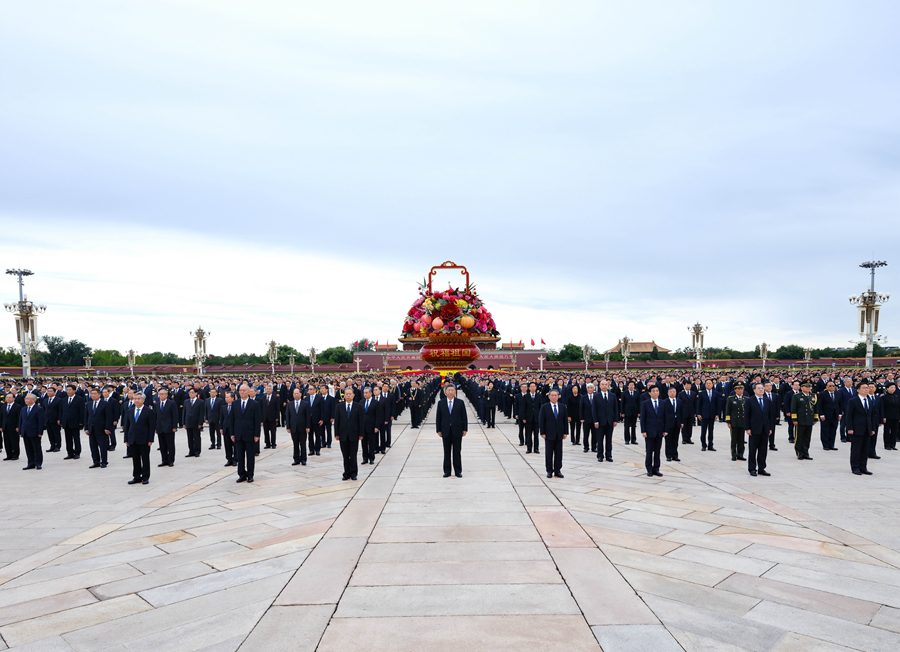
(449, 312)
(407, 327)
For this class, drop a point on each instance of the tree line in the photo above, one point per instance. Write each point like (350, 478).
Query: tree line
(574, 353)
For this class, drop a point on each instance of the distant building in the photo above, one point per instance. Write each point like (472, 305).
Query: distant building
(637, 348)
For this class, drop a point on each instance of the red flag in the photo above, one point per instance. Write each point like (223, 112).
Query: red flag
(520, 342)
(376, 342)
(356, 343)
(542, 341)
(532, 341)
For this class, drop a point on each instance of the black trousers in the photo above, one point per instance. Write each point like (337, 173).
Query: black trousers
(99, 443)
(215, 435)
(790, 425)
(737, 440)
(532, 438)
(326, 441)
(706, 432)
(245, 451)
(167, 447)
(414, 415)
(891, 430)
(229, 447)
(802, 438)
(521, 432)
(299, 439)
(672, 442)
(652, 446)
(112, 438)
(193, 440)
(140, 461)
(687, 430)
(453, 451)
(33, 451)
(589, 435)
(553, 453)
(859, 451)
(349, 450)
(576, 431)
(828, 432)
(367, 452)
(490, 415)
(631, 428)
(73, 442)
(843, 429)
(11, 439)
(758, 446)
(384, 436)
(873, 441)
(53, 431)
(315, 443)
(604, 441)
(269, 428)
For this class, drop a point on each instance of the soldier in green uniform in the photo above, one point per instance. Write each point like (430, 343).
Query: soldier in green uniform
(804, 414)
(735, 408)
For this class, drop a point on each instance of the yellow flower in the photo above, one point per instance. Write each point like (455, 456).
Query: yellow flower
(460, 303)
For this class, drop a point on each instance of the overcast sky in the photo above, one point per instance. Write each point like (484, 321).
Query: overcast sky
(289, 170)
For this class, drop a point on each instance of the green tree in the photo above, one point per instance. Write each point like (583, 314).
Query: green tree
(789, 352)
(10, 357)
(284, 351)
(654, 354)
(108, 358)
(569, 353)
(362, 344)
(334, 355)
(64, 353)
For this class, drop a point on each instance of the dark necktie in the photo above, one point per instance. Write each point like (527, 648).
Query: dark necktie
(555, 411)
(348, 410)
(760, 403)
(866, 404)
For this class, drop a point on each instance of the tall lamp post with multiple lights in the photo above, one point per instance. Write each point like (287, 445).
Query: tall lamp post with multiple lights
(625, 349)
(869, 306)
(697, 332)
(764, 354)
(312, 359)
(273, 354)
(200, 336)
(807, 352)
(291, 359)
(26, 313)
(131, 357)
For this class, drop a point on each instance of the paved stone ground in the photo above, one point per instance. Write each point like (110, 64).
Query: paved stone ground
(705, 558)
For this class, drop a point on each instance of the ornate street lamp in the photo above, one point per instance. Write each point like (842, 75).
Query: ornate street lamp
(542, 358)
(513, 354)
(26, 313)
(806, 353)
(312, 359)
(273, 354)
(764, 354)
(131, 356)
(606, 360)
(586, 354)
(357, 361)
(87, 364)
(291, 360)
(625, 349)
(384, 361)
(697, 332)
(869, 306)
(200, 355)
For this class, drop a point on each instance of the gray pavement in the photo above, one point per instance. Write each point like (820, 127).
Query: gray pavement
(704, 558)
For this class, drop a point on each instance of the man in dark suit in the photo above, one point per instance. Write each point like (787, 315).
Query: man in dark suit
(586, 414)
(314, 402)
(653, 430)
(860, 422)
(786, 408)
(31, 428)
(708, 410)
(193, 421)
(451, 424)
(71, 420)
(298, 425)
(847, 392)
(326, 416)
(370, 427)
(758, 424)
(389, 407)
(167, 418)
(139, 438)
(115, 407)
(271, 414)
(630, 410)
(97, 426)
(348, 432)
(688, 397)
(227, 429)
(52, 404)
(533, 402)
(246, 422)
(11, 427)
(214, 407)
(830, 410)
(519, 409)
(673, 415)
(606, 416)
(553, 423)
(770, 394)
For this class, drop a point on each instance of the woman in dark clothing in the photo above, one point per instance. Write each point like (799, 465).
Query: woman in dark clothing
(572, 407)
(890, 413)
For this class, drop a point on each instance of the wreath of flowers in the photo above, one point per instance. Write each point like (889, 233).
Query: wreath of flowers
(449, 311)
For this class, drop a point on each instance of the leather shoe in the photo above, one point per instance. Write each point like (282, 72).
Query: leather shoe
(764, 473)
(772, 448)
(38, 467)
(857, 473)
(867, 473)
(163, 464)
(134, 481)
(446, 475)
(69, 457)
(742, 459)
(27, 468)
(874, 457)
(292, 464)
(668, 459)
(353, 477)
(549, 475)
(145, 482)
(104, 465)
(649, 475)
(676, 459)
(459, 475)
(658, 475)
(753, 473)
(94, 466)
(171, 463)
(609, 459)
(241, 480)
(712, 449)
(249, 479)
(560, 475)
(808, 458)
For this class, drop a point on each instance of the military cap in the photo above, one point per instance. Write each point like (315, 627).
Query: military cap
(806, 383)
(739, 385)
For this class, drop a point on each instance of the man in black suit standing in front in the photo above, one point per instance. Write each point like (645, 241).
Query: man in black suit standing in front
(52, 405)
(139, 438)
(653, 430)
(271, 406)
(859, 416)
(533, 402)
(673, 414)
(167, 418)
(246, 422)
(553, 422)
(298, 425)
(11, 427)
(606, 416)
(630, 409)
(370, 427)
(708, 409)
(830, 410)
(214, 408)
(71, 419)
(688, 397)
(31, 429)
(348, 431)
(758, 423)
(98, 425)
(194, 415)
(451, 424)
